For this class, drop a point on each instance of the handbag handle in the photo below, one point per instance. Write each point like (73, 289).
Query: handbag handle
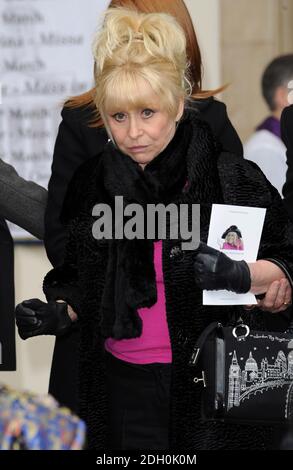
(201, 340)
(206, 333)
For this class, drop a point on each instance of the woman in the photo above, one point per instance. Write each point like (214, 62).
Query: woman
(233, 239)
(81, 135)
(139, 301)
(79, 139)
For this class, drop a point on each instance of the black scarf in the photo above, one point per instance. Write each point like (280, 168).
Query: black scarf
(130, 278)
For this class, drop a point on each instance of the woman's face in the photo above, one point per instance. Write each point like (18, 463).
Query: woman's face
(232, 238)
(144, 132)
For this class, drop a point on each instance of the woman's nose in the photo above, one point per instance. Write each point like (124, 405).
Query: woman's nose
(134, 129)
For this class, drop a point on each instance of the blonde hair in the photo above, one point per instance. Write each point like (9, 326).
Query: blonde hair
(133, 48)
(176, 8)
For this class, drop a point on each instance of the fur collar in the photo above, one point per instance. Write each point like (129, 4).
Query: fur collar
(87, 185)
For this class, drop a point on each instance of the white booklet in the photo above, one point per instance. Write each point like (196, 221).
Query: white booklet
(236, 231)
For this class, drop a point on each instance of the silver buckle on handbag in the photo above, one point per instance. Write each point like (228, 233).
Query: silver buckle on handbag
(196, 380)
(241, 337)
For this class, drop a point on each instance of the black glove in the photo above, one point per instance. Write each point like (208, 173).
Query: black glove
(34, 318)
(215, 271)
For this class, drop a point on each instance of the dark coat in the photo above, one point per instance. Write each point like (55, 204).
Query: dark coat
(287, 136)
(77, 142)
(212, 179)
(7, 323)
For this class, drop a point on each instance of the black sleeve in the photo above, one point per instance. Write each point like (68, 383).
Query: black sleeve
(62, 282)
(69, 153)
(75, 144)
(276, 246)
(277, 236)
(286, 125)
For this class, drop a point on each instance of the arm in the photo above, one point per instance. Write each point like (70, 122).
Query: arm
(62, 291)
(62, 282)
(263, 273)
(61, 285)
(22, 202)
(277, 236)
(216, 271)
(75, 144)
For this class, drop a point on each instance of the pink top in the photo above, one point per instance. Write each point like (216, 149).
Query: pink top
(228, 246)
(154, 343)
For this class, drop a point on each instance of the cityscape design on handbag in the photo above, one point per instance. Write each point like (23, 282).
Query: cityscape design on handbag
(246, 375)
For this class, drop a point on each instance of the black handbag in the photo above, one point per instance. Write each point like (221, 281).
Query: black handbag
(246, 375)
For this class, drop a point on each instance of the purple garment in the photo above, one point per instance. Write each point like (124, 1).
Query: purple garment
(272, 125)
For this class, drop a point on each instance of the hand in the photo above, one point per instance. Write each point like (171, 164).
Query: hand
(277, 298)
(34, 318)
(215, 271)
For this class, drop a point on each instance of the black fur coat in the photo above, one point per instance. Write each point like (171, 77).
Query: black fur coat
(213, 178)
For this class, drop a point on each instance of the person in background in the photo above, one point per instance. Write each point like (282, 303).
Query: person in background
(287, 136)
(139, 300)
(265, 146)
(23, 203)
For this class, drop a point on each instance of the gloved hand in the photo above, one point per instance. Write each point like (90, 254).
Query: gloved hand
(215, 271)
(34, 318)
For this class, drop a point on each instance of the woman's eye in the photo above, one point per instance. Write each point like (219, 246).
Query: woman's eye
(119, 117)
(147, 113)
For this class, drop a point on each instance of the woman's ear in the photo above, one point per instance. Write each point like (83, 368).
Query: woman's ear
(180, 110)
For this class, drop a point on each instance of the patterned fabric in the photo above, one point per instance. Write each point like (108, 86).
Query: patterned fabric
(35, 422)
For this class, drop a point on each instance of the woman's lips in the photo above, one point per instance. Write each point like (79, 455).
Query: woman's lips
(137, 148)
